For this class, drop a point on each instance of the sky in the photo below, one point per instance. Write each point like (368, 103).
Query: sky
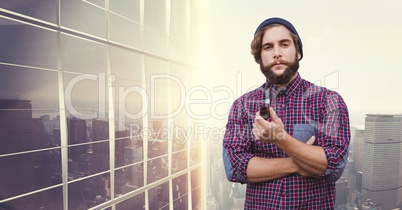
(352, 47)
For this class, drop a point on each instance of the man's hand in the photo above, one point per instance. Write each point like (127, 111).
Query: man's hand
(269, 131)
(300, 170)
(272, 131)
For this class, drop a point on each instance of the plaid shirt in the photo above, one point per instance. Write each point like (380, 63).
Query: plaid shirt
(300, 103)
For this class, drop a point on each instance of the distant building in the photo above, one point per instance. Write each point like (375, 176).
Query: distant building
(382, 171)
(20, 133)
(358, 149)
(100, 131)
(342, 191)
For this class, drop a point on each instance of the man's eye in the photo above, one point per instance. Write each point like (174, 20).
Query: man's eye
(266, 47)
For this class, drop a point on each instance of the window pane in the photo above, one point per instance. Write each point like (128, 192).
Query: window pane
(86, 96)
(179, 161)
(196, 188)
(28, 109)
(18, 83)
(157, 169)
(124, 31)
(155, 16)
(155, 36)
(89, 192)
(126, 64)
(157, 148)
(195, 155)
(100, 3)
(100, 129)
(20, 132)
(129, 178)
(178, 31)
(128, 9)
(158, 80)
(121, 143)
(83, 17)
(88, 159)
(27, 45)
(28, 172)
(83, 56)
(181, 133)
(159, 196)
(130, 101)
(41, 9)
(138, 201)
(179, 186)
(49, 199)
(181, 203)
(127, 153)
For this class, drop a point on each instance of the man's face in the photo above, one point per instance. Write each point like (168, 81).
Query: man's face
(279, 59)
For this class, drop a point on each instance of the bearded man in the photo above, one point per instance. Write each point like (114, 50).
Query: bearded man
(292, 159)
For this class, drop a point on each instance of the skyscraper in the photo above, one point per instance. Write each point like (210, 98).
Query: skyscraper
(358, 149)
(20, 133)
(382, 171)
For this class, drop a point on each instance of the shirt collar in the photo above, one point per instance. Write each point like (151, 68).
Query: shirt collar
(288, 90)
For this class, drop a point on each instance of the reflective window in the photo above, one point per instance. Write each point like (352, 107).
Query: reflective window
(28, 109)
(179, 161)
(155, 37)
(157, 168)
(138, 201)
(89, 192)
(24, 44)
(28, 172)
(88, 159)
(178, 31)
(155, 15)
(83, 56)
(129, 178)
(196, 189)
(131, 106)
(180, 195)
(126, 64)
(86, 96)
(128, 9)
(84, 17)
(159, 197)
(100, 3)
(48, 199)
(125, 31)
(89, 88)
(39, 9)
(195, 156)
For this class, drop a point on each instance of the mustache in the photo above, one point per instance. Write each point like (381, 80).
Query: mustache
(287, 63)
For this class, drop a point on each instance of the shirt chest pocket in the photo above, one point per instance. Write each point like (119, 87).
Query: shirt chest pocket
(303, 132)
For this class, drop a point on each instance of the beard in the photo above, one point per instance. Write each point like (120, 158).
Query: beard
(283, 78)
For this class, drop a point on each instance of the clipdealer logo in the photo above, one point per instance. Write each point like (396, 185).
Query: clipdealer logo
(195, 95)
(198, 102)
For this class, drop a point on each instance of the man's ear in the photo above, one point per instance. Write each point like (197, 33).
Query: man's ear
(298, 56)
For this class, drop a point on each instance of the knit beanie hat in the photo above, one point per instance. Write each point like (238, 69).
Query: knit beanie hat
(285, 23)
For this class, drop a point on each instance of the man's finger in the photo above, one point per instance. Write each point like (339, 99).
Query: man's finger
(274, 116)
(311, 140)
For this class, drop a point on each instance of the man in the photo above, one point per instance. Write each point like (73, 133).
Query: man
(291, 160)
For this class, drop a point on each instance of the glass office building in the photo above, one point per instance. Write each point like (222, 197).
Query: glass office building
(91, 104)
(382, 171)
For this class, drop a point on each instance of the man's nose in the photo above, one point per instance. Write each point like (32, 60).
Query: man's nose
(277, 52)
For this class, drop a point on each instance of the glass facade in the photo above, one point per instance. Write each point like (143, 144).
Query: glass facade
(382, 159)
(91, 104)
